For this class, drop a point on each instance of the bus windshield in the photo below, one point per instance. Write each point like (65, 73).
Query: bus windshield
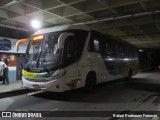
(40, 49)
(56, 48)
(34, 48)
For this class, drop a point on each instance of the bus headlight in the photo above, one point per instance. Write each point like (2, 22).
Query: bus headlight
(56, 76)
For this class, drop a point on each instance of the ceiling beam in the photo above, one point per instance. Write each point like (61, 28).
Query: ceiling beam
(16, 28)
(145, 42)
(157, 26)
(143, 4)
(117, 3)
(137, 28)
(133, 22)
(4, 14)
(106, 4)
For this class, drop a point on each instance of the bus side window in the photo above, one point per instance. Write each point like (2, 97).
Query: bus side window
(98, 43)
(70, 51)
(103, 45)
(91, 47)
(53, 44)
(94, 43)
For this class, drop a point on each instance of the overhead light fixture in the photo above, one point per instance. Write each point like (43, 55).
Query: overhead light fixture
(35, 24)
(140, 50)
(126, 59)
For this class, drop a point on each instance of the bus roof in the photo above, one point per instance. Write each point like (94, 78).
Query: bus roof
(61, 28)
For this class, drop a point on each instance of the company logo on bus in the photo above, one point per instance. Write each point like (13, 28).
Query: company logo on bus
(34, 70)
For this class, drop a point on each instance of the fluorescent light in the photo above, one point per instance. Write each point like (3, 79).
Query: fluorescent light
(35, 24)
(140, 50)
(126, 59)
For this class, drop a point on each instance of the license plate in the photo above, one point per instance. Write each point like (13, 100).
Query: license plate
(36, 87)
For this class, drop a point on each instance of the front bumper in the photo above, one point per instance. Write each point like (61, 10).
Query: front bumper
(56, 85)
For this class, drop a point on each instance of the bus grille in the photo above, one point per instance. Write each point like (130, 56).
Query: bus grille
(36, 80)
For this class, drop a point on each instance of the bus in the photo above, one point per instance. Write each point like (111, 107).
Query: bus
(68, 57)
(5, 44)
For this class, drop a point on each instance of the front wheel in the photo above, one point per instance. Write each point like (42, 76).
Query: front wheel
(130, 73)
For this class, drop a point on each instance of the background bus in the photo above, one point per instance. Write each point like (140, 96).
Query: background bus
(69, 57)
(5, 44)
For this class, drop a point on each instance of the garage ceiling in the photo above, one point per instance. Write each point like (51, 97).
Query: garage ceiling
(135, 21)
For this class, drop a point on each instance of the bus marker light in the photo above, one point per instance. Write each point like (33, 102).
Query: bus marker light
(39, 37)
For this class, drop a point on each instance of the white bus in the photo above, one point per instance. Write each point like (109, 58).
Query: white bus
(64, 58)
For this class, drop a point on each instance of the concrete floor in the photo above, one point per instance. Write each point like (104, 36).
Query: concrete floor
(141, 93)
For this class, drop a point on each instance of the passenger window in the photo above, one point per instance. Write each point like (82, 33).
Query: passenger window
(96, 45)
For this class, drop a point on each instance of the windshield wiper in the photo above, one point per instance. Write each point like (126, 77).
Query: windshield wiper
(38, 57)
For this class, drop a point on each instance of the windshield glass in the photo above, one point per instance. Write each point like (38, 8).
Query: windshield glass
(34, 48)
(41, 54)
(57, 48)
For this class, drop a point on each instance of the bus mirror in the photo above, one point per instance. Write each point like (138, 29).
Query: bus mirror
(62, 38)
(20, 42)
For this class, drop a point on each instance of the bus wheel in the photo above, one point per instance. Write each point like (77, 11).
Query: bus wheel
(130, 73)
(90, 81)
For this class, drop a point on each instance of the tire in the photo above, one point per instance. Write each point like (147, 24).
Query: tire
(130, 73)
(90, 81)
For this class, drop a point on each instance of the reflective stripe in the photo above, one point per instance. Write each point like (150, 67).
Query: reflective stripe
(29, 74)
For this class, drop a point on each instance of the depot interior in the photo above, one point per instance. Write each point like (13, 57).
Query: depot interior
(134, 21)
